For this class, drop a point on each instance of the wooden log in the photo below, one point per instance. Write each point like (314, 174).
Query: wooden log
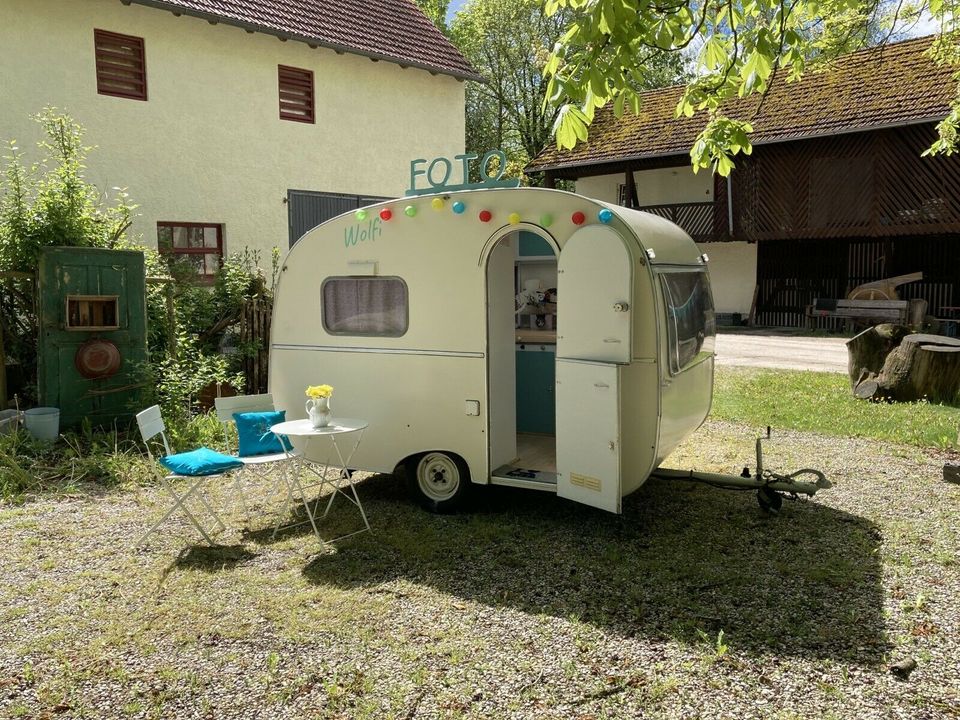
(936, 373)
(922, 366)
(867, 351)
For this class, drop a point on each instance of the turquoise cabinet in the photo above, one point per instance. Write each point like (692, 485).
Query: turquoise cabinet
(536, 380)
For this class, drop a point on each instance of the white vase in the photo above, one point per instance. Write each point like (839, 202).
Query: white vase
(318, 410)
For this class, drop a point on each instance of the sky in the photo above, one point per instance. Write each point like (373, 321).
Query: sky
(454, 6)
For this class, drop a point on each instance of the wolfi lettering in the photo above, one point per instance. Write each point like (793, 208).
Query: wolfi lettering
(361, 232)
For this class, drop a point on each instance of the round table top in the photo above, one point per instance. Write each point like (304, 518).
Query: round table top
(303, 428)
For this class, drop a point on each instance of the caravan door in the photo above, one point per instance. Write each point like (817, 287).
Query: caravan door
(594, 299)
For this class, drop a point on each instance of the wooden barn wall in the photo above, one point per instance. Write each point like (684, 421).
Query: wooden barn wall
(860, 185)
(792, 273)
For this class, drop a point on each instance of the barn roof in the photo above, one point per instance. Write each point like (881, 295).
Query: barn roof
(391, 30)
(884, 86)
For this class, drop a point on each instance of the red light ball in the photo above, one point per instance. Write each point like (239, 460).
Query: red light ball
(578, 218)
(485, 215)
(386, 214)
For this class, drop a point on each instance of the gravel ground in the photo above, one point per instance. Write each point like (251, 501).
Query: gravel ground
(693, 604)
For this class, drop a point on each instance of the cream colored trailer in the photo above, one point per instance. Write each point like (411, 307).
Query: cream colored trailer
(408, 310)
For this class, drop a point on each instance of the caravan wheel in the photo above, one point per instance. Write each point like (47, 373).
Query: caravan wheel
(441, 481)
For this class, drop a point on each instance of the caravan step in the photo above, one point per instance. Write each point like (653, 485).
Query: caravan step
(512, 476)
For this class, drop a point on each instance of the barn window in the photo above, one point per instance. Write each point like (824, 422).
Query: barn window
(371, 306)
(121, 65)
(296, 94)
(691, 327)
(199, 245)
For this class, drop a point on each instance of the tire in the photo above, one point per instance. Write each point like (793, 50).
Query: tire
(439, 481)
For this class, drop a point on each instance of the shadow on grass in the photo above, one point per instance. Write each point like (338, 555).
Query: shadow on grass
(212, 558)
(682, 560)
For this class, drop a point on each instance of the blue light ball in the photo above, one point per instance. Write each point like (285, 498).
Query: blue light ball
(459, 207)
(605, 215)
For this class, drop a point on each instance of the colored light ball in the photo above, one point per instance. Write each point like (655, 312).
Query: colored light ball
(437, 203)
(605, 215)
(514, 218)
(485, 215)
(459, 207)
(410, 210)
(578, 218)
(546, 220)
(386, 214)
(361, 215)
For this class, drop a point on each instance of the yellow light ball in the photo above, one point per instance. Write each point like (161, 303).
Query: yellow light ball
(437, 203)
(514, 218)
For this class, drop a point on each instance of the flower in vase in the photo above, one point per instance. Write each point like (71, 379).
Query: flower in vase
(319, 391)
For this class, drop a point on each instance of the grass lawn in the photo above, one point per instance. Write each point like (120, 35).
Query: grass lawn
(691, 604)
(823, 402)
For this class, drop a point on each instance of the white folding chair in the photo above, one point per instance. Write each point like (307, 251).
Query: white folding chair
(259, 465)
(151, 424)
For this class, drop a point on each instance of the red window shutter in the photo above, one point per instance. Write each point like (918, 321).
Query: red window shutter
(296, 94)
(121, 65)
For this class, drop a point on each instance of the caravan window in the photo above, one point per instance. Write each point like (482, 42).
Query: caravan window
(372, 306)
(691, 326)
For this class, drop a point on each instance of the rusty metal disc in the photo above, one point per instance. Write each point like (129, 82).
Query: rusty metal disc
(97, 359)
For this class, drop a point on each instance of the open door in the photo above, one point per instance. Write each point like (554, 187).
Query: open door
(594, 301)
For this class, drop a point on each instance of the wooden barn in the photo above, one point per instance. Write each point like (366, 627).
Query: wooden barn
(835, 194)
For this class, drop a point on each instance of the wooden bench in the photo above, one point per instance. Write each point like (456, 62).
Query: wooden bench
(875, 311)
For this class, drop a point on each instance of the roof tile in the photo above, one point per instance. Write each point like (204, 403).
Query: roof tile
(884, 86)
(394, 30)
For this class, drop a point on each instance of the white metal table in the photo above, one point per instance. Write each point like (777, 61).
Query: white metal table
(342, 480)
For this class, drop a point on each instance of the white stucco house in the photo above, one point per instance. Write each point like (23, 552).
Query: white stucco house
(237, 124)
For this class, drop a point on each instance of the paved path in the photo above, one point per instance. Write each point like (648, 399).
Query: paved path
(823, 354)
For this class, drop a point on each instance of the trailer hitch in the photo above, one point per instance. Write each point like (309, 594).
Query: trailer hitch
(769, 485)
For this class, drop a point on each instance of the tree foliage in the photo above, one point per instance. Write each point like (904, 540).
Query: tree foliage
(436, 10)
(508, 42)
(49, 202)
(735, 46)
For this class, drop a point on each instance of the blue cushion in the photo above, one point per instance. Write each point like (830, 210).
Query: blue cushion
(202, 461)
(253, 432)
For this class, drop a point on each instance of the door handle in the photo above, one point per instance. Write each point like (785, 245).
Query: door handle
(621, 307)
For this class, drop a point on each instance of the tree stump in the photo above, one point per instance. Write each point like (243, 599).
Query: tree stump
(922, 366)
(867, 351)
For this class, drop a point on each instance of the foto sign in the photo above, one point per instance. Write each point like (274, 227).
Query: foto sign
(439, 171)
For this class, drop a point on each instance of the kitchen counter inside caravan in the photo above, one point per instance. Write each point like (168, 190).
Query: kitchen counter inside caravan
(536, 337)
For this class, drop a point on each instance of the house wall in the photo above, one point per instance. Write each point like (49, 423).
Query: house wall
(733, 265)
(733, 275)
(654, 187)
(208, 144)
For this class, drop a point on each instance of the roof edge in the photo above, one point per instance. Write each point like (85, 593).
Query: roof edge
(768, 141)
(254, 27)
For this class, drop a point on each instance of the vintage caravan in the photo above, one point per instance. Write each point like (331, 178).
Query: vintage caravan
(418, 312)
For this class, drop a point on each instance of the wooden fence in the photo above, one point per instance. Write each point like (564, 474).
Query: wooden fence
(255, 344)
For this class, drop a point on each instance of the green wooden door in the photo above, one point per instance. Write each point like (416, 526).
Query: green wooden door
(91, 294)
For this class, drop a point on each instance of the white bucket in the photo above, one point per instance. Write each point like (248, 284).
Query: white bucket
(42, 422)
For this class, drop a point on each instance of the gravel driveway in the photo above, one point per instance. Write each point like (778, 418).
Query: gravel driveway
(692, 604)
(768, 349)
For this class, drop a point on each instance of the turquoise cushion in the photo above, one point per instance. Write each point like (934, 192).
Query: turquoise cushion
(202, 461)
(253, 432)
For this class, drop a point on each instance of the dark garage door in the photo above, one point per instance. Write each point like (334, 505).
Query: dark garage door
(307, 209)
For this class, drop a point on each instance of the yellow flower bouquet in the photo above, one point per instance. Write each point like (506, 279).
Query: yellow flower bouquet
(319, 391)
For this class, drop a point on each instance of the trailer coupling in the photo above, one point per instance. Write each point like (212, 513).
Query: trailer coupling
(768, 484)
